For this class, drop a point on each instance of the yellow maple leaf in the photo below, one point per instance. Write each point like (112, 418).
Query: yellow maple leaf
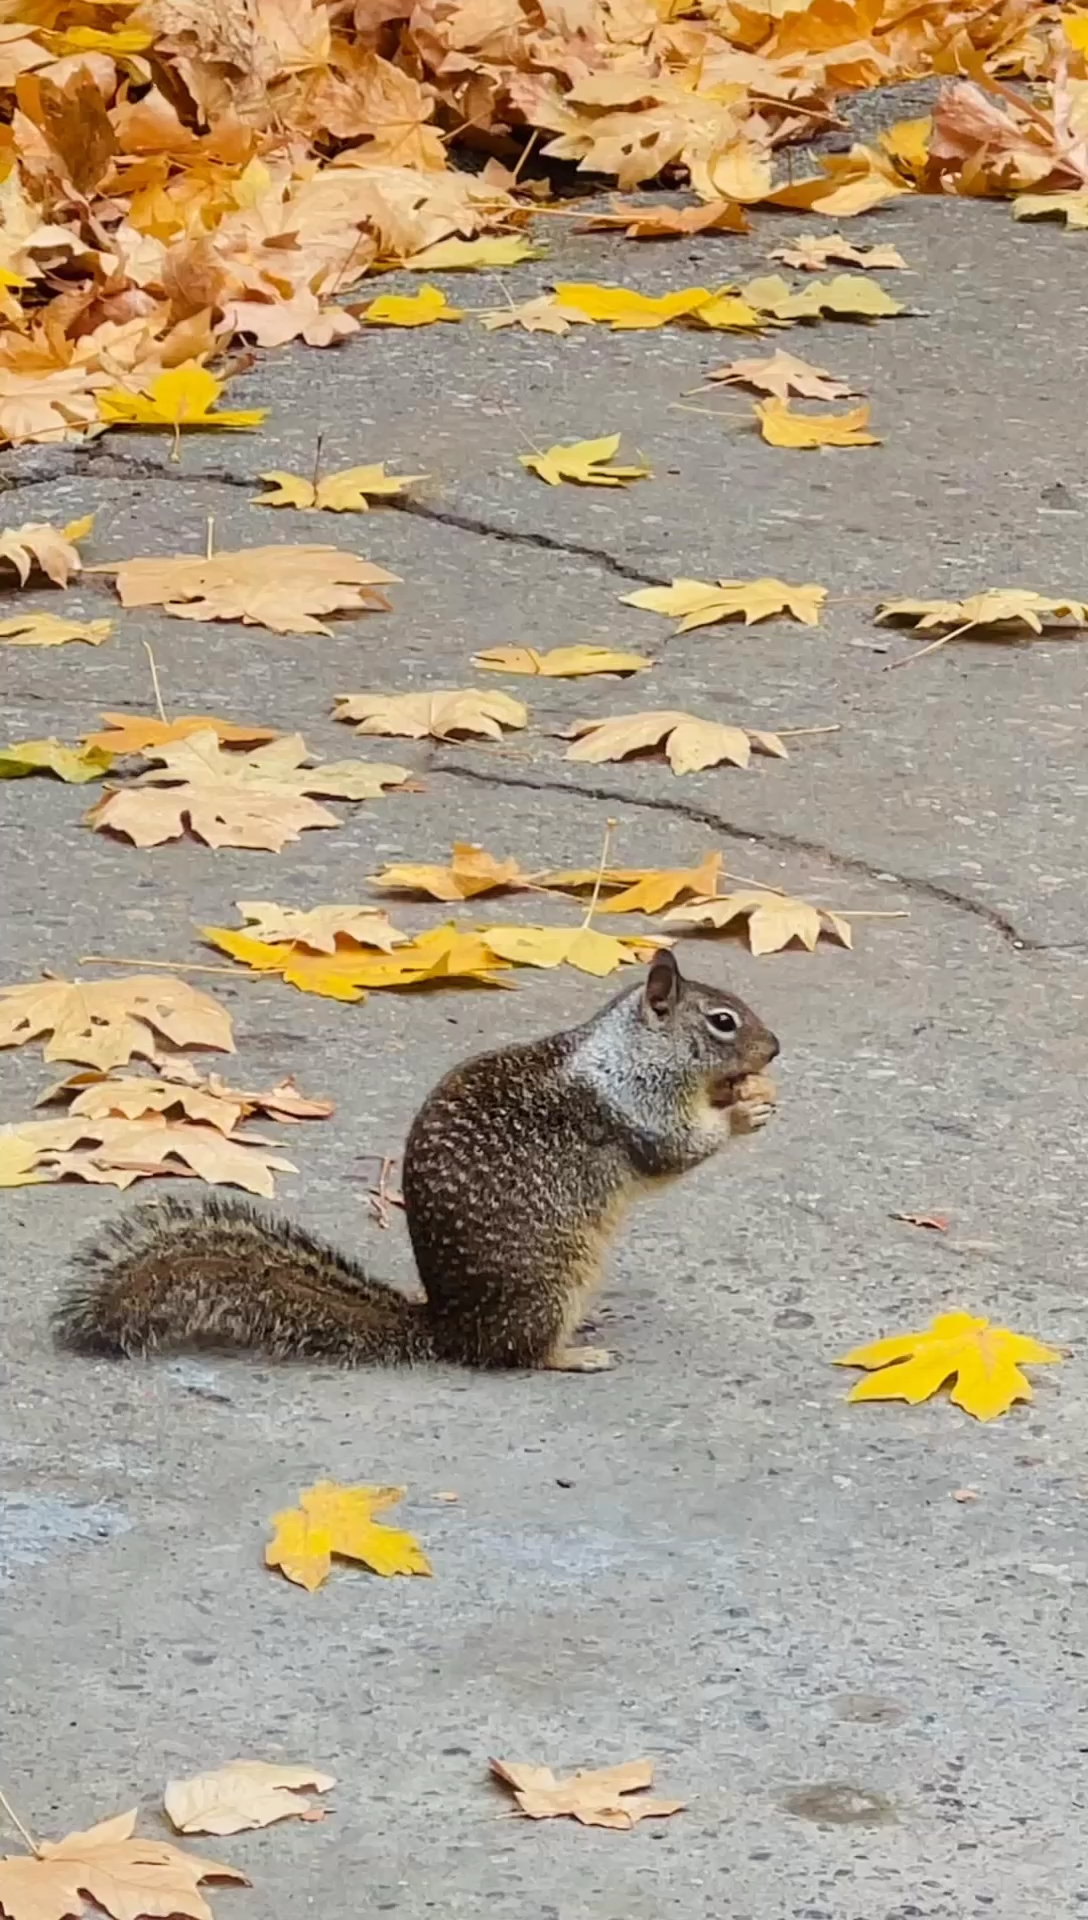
(726, 312)
(626, 309)
(123, 1874)
(906, 144)
(102, 1023)
(455, 256)
(697, 603)
(334, 1521)
(846, 296)
(441, 715)
(1070, 207)
(780, 426)
(582, 947)
(280, 587)
(134, 732)
(179, 398)
(658, 887)
(471, 871)
(561, 663)
(420, 309)
(349, 491)
(443, 953)
(690, 744)
(584, 462)
(51, 630)
(773, 921)
(985, 1362)
(75, 765)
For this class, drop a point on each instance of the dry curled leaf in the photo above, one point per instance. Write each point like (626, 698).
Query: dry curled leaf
(116, 1152)
(102, 1023)
(333, 1521)
(782, 374)
(349, 491)
(688, 742)
(1016, 607)
(545, 314)
(441, 715)
(127, 733)
(318, 927)
(260, 799)
(36, 546)
(584, 463)
(179, 1092)
(52, 630)
(773, 921)
(983, 1360)
(75, 765)
(561, 663)
(241, 1795)
(814, 255)
(1072, 208)
(125, 1876)
(668, 223)
(936, 1222)
(700, 603)
(780, 426)
(597, 1797)
(471, 872)
(282, 588)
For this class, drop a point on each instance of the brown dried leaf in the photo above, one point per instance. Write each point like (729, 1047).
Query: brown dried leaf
(241, 1795)
(318, 927)
(282, 588)
(259, 799)
(124, 1875)
(690, 744)
(601, 1797)
(471, 872)
(102, 1023)
(439, 715)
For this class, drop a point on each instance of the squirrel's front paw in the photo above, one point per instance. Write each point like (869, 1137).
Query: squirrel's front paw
(753, 1105)
(581, 1360)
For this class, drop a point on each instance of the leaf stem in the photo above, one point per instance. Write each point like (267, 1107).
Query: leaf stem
(609, 829)
(163, 966)
(19, 1827)
(155, 683)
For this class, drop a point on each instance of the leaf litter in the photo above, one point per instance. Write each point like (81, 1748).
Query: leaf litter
(282, 588)
(595, 1797)
(103, 1023)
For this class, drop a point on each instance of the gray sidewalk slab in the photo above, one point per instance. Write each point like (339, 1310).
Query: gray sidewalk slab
(706, 1555)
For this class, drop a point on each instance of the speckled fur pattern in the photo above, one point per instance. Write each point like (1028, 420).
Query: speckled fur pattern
(517, 1172)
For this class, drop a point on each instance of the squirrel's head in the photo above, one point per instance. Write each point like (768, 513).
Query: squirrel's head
(714, 1031)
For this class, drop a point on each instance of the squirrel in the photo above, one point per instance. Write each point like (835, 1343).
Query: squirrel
(517, 1170)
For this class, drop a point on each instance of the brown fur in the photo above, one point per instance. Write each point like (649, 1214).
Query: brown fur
(517, 1170)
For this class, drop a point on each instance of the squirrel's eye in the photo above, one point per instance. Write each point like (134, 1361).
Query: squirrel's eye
(723, 1022)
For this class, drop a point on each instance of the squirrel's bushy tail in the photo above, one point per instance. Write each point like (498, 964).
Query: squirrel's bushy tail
(226, 1275)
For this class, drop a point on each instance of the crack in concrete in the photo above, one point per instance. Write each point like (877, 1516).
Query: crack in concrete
(916, 884)
(112, 466)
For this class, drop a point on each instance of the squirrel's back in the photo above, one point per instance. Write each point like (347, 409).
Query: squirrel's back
(517, 1170)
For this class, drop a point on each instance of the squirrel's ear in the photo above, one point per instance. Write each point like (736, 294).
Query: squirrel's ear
(663, 983)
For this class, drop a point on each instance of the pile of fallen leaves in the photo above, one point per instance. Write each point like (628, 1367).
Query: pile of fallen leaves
(178, 177)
